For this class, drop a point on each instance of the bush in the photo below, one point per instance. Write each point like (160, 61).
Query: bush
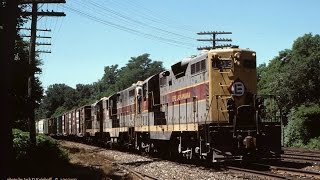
(303, 125)
(314, 143)
(41, 159)
(21, 144)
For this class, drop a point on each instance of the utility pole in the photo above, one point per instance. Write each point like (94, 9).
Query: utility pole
(214, 40)
(32, 52)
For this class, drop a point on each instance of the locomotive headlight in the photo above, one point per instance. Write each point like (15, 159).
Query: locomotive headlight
(253, 54)
(237, 55)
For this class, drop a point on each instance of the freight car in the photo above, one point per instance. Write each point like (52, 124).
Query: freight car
(40, 126)
(204, 107)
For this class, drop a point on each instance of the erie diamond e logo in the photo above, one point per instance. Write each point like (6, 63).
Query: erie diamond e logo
(237, 88)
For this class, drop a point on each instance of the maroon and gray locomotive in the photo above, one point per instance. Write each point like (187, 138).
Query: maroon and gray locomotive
(204, 107)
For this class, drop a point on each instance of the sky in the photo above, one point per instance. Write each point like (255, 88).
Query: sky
(99, 33)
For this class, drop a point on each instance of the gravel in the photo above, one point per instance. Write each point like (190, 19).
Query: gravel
(158, 168)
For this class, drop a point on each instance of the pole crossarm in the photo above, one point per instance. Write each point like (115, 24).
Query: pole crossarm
(41, 1)
(36, 36)
(214, 40)
(48, 30)
(44, 13)
(213, 32)
(43, 51)
(43, 44)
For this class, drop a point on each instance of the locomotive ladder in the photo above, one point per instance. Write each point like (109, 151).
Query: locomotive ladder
(223, 97)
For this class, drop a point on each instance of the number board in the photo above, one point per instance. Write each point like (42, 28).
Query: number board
(222, 64)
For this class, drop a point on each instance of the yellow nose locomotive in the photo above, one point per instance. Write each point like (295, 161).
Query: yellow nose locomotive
(211, 109)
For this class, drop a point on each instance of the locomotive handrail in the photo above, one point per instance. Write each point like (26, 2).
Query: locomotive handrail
(225, 72)
(153, 104)
(228, 97)
(220, 84)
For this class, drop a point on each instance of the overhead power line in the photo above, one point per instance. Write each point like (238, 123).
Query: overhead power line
(120, 15)
(129, 30)
(158, 16)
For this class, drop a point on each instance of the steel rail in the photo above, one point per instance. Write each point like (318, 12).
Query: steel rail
(298, 172)
(256, 173)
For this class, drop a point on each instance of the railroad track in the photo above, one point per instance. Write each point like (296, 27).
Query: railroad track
(296, 172)
(138, 174)
(300, 150)
(301, 158)
(301, 155)
(274, 172)
(256, 173)
(269, 171)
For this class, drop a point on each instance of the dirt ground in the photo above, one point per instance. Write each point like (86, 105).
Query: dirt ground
(96, 166)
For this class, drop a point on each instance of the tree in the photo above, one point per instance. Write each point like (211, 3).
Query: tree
(110, 74)
(137, 69)
(84, 90)
(293, 76)
(21, 69)
(303, 125)
(12, 96)
(59, 95)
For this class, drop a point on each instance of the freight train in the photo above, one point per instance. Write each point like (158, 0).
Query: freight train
(204, 107)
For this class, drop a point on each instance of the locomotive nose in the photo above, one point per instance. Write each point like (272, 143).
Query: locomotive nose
(249, 142)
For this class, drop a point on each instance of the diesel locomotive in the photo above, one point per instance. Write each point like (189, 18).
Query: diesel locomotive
(204, 107)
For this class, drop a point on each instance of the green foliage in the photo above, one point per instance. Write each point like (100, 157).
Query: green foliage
(84, 91)
(60, 110)
(110, 74)
(293, 75)
(20, 73)
(60, 97)
(21, 144)
(29, 160)
(138, 69)
(48, 146)
(303, 125)
(314, 143)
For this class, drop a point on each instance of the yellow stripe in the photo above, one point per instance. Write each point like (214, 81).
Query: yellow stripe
(92, 131)
(119, 129)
